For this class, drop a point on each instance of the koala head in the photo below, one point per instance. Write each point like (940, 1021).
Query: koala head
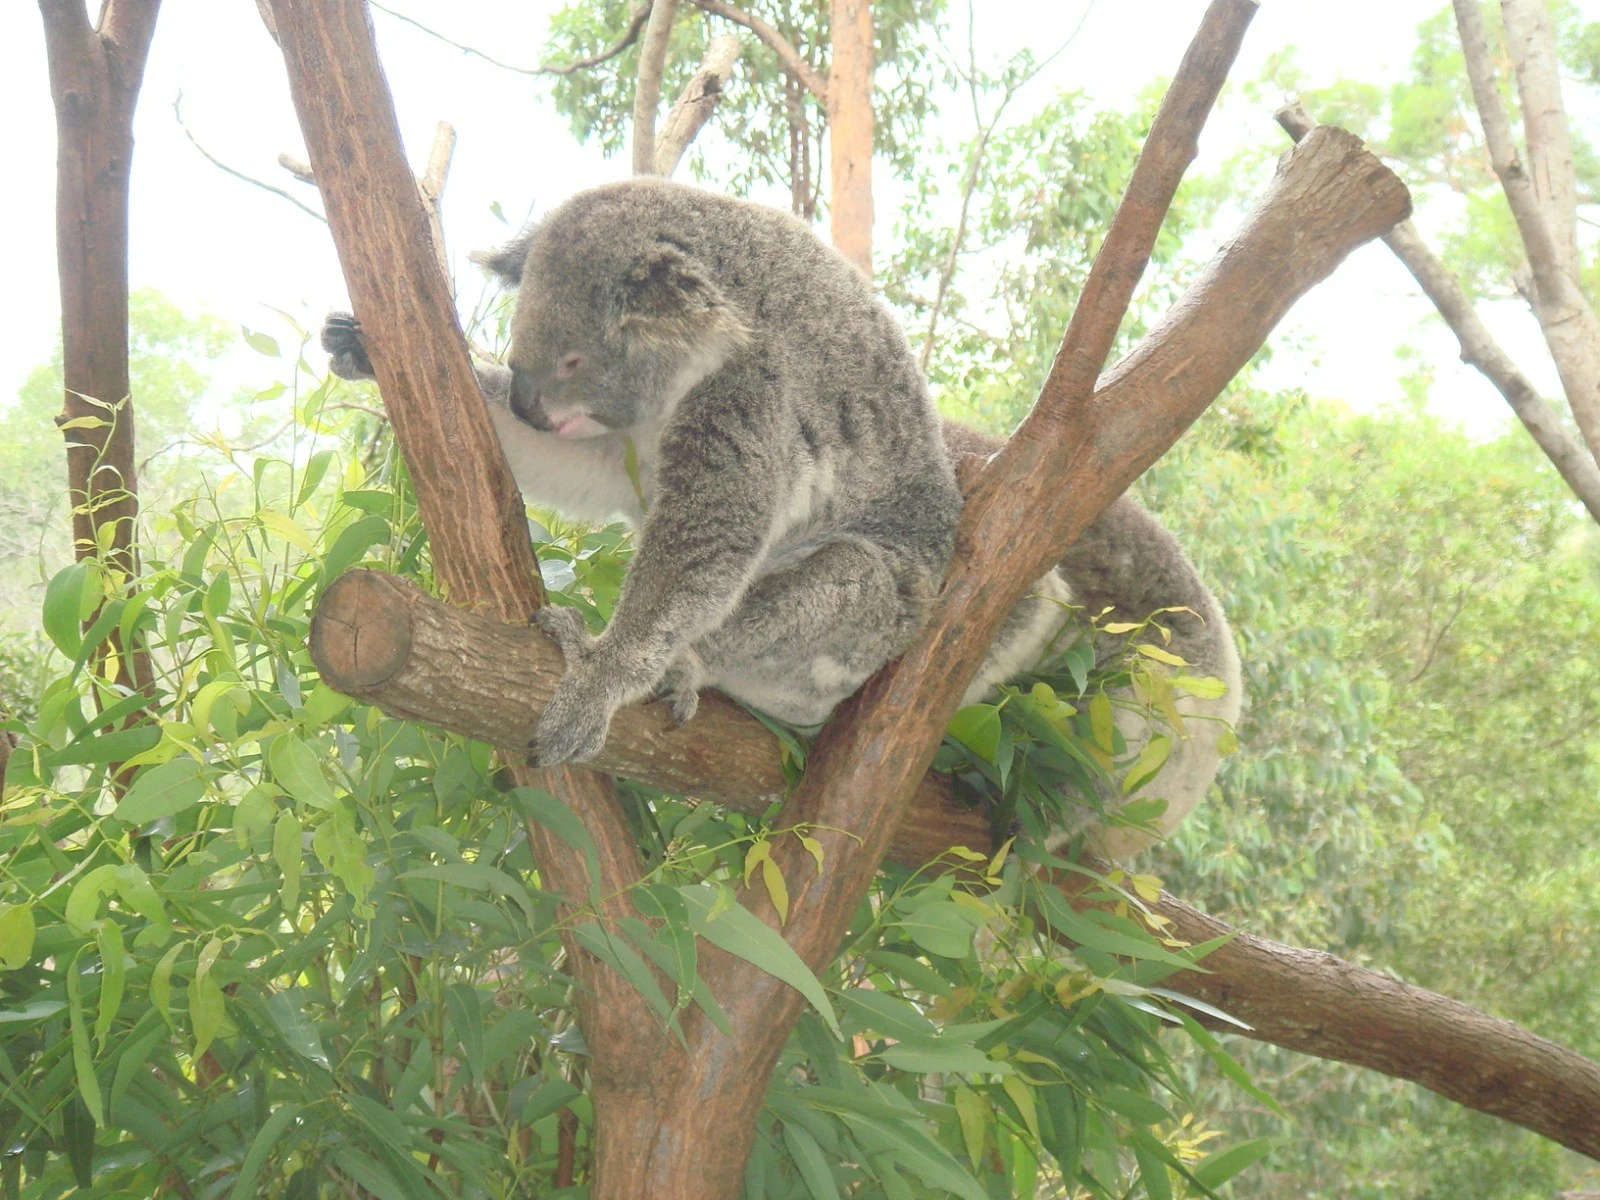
(614, 323)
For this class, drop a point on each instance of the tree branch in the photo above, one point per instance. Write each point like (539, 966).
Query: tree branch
(1532, 43)
(430, 187)
(386, 642)
(1478, 347)
(696, 103)
(788, 56)
(468, 502)
(630, 35)
(647, 89)
(1570, 328)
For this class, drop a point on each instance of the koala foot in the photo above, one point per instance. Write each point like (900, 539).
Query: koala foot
(574, 724)
(347, 353)
(567, 630)
(681, 686)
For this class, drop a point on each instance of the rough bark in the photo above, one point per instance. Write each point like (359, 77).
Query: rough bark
(476, 529)
(647, 87)
(1531, 40)
(696, 103)
(850, 131)
(1479, 349)
(95, 73)
(385, 641)
(1570, 327)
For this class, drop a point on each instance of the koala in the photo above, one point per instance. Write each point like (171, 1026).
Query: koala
(1127, 566)
(795, 502)
(792, 486)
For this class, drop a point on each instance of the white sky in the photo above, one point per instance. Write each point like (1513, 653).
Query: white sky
(211, 242)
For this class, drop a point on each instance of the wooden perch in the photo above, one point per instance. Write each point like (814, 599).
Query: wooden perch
(1478, 347)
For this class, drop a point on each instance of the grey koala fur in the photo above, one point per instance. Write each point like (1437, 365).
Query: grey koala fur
(795, 501)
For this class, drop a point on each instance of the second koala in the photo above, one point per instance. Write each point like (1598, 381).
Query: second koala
(795, 502)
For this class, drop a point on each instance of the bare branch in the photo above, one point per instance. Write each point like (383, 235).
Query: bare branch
(1569, 325)
(788, 56)
(1532, 43)
(629, 36)
(430, 187)
(696, 103)
(647, 89)
(177, 115)
(1478, 347)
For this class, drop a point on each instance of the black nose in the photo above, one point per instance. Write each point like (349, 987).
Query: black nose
(525, 400)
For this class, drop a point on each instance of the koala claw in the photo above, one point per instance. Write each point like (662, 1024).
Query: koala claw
(685, 703)
(566, 628)
(573, 726)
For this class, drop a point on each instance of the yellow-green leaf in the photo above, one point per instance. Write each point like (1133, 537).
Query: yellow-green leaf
(16, 935)
(1022, 1096)
(772, 877)
(973, 1114)
(287, 528)
(814, 847)
(759, 852)
(286, 853)
(1102, 722)
(1160, 655)
(1150, 761)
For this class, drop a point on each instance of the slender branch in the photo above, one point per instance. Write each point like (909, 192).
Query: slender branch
(430, 187)
(1570, 328)
(177, 114)
(791, 59)
(696, 103)
(1478, 347)
(647, 89)
(629, 36)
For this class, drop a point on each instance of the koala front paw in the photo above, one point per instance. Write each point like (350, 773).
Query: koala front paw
(347, 353)
(567, 630)
(574, 724)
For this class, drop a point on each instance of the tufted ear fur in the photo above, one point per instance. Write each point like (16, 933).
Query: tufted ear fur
(668, 300)
(505, 263)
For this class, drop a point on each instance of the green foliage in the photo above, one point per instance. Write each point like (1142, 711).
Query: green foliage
(267, 941)
(1416, 614)
(772, 124)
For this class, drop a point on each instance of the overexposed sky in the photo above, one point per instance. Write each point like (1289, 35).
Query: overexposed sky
(211, 242)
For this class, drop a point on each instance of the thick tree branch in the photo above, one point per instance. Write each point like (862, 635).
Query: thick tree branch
(465, 493)
(385, 641)
(788, 56)
(696, 103)
(1570, 328)
(1532, 42)
(1478, 347)
(647, 88)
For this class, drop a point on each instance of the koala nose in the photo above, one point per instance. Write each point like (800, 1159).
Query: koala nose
(525, 400)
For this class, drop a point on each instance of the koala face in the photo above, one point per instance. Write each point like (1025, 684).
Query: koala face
(608, 335)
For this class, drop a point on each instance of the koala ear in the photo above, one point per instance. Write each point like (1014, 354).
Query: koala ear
(668, 299)
(506, 263)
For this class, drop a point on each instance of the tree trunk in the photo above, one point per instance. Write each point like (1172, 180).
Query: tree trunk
(95, 73)
(850, 131)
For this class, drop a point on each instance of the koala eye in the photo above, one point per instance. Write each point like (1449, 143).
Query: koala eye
(570, 365)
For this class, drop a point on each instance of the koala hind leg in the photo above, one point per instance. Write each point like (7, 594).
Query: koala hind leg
(810, 630)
